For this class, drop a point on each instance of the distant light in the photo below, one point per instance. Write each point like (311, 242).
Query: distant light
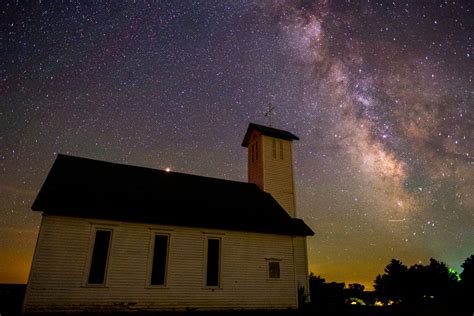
(167, 169)
(454, 274)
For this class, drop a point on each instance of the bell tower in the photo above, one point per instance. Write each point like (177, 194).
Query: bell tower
(270, 163)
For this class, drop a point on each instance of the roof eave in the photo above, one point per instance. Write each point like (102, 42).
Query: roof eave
(268, 131)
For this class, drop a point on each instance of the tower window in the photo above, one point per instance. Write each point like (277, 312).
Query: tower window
(274, 147)
(281, 149)
(251, 152)
(256, 151)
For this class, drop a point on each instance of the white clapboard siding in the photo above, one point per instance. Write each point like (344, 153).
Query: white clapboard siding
(301, 264)
(271, 173)
(59, 271)
(278, 173)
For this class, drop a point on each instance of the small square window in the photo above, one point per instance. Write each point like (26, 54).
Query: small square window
(274, 270)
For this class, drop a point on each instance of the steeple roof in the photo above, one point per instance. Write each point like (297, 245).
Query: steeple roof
(268, 131)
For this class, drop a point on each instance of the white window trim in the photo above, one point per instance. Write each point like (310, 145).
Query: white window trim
(150, 260)
(94, 229)
(204, 266)
(268, 260)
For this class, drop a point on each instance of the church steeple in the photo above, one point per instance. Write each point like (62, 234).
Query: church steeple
(270, 163)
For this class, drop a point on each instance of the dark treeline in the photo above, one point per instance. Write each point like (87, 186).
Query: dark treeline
(432, 285)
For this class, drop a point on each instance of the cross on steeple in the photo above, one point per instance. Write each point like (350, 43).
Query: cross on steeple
(269, 113)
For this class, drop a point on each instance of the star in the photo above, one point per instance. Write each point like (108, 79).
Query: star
(379, 93)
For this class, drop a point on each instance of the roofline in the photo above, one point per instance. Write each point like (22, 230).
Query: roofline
(151, 169)
(268, 131)
(64, 156)
(310, 232)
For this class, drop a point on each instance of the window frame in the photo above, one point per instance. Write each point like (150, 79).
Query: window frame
(205, 263)
(256, 150)
(88, 267)
(251, 152)
(151, 255)
(270, 261)
(274, 148)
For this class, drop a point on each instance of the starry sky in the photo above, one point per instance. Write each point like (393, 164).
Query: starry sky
(379, 92)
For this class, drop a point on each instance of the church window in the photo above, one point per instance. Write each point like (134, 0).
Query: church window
(213, 262)
(274, 269)
(281, 149)
(274, 147)
(100, 254)
(159, 263)
(256, 151)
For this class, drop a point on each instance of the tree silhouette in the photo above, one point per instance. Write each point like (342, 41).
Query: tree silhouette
(356, 289)
(415, 283)
(433, 283)
(432, 288)
(467, 281)
(467, 275)
(316, 286)
(325, 295)
(390, 286)
(430, 283)
(441, 283)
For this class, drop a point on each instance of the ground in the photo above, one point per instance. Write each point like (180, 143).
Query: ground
(11, 297)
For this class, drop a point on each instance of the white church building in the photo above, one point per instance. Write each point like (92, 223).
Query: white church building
(115, 237)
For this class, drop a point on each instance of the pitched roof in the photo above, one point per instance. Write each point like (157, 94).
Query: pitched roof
(269, 131)
(87, 188)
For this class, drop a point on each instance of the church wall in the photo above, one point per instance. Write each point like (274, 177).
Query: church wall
(58, 277)
(278, 173)
(301, 264)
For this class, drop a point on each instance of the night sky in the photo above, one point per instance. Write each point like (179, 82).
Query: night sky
(379, 92)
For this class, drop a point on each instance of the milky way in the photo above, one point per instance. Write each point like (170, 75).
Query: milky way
(380, 94)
